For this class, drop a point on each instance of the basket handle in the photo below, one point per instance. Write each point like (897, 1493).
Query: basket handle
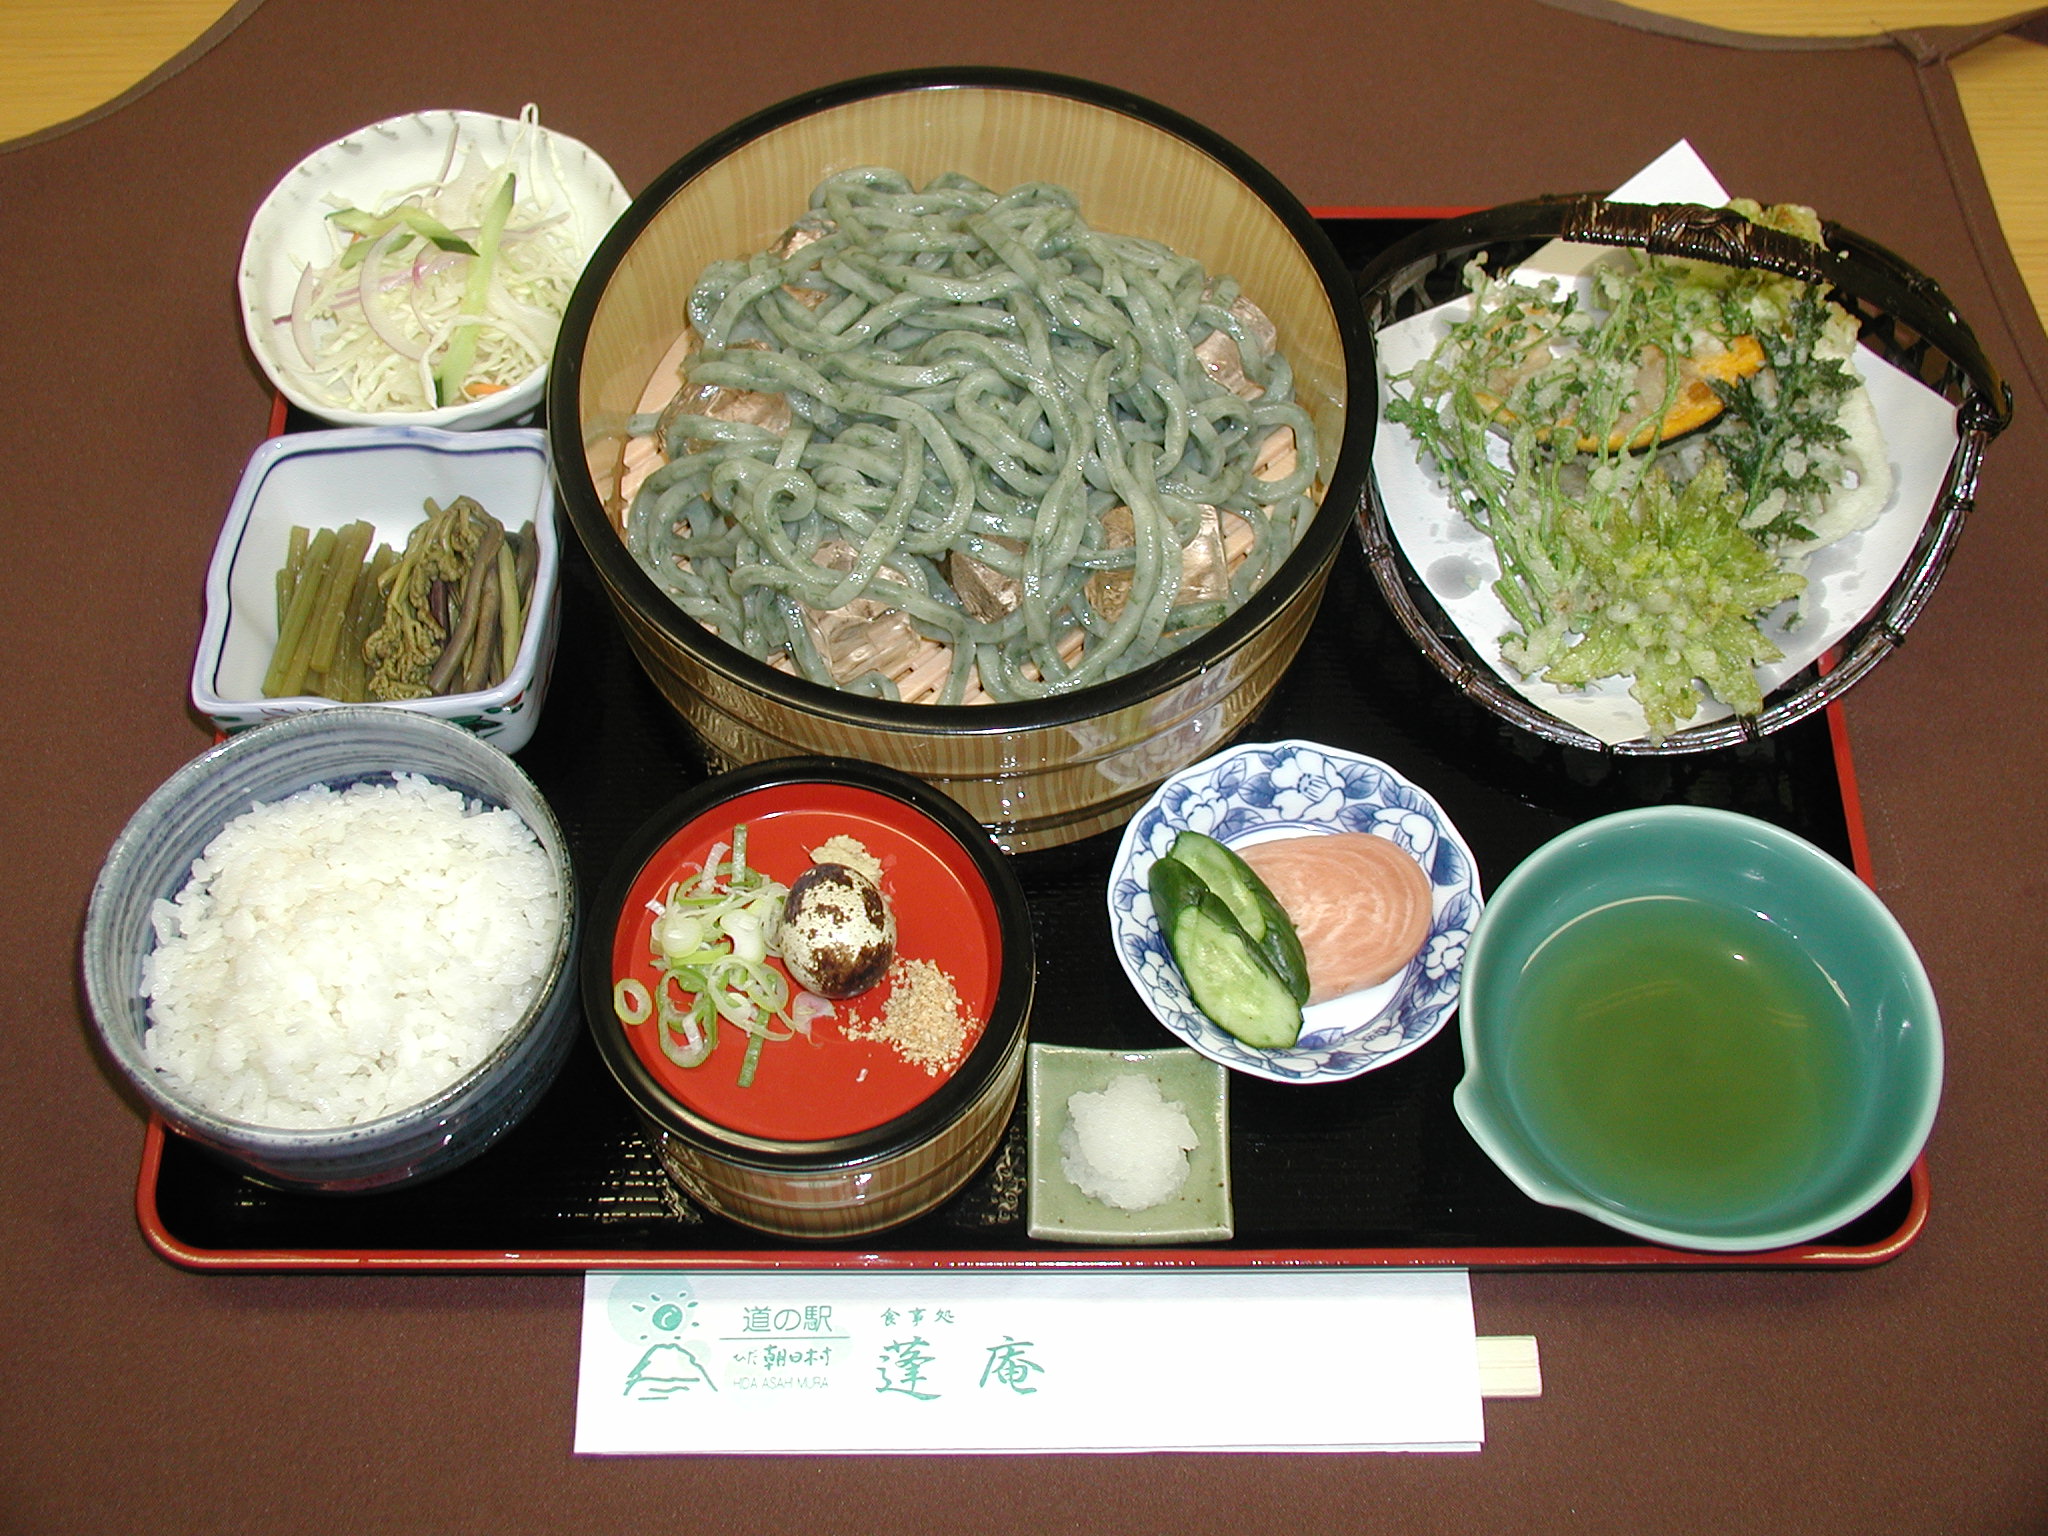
(1691, 230)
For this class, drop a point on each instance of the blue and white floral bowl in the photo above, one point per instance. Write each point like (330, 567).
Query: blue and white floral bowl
(1254, 793)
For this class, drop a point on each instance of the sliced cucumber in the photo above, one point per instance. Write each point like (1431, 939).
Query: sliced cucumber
(1255, 907)
(370, 226)
(1226, 972)
(453, 371)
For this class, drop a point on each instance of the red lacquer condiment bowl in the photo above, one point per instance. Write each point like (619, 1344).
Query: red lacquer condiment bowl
(839, 1134)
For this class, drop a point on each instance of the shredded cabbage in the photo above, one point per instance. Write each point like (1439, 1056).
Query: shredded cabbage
(446, 293)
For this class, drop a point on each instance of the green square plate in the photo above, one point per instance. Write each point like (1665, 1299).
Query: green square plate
(1059, 1212)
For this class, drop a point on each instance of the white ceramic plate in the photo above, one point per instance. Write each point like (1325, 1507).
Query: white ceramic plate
(1259, 791)
(367, 168)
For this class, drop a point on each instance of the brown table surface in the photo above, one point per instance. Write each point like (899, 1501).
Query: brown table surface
(1909, 1397)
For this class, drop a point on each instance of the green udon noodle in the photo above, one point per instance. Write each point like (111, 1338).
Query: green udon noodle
(983, 374)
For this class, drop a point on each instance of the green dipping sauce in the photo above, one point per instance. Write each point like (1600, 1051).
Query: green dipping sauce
(1683, 1060)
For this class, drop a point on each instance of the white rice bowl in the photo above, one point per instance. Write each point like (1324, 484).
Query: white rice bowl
(338, 956)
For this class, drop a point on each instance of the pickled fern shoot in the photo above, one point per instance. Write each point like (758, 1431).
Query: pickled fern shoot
(1647, 518)
(711, 943)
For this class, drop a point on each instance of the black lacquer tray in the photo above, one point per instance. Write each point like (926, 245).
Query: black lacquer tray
(1375, 1171)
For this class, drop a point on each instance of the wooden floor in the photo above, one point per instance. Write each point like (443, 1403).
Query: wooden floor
(59, 58)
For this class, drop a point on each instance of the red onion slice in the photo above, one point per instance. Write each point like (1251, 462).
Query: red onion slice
(302, 315)
(371, 279)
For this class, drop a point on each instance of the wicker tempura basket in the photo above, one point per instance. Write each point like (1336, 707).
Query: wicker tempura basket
(1904, 318)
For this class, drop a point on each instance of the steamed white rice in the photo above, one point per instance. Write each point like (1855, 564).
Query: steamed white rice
(337, 956)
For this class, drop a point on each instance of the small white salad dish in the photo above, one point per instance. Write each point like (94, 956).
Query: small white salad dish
(1057, 1210)
(382, 476)
(1254, 793)
(372, 168)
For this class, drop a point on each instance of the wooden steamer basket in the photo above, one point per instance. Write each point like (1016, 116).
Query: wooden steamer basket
(1903, 317)
(1037, 773)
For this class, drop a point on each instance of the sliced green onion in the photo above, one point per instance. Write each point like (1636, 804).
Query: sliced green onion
(631, 1002)
(691, 1054)
(751, 1060)
(710, 944)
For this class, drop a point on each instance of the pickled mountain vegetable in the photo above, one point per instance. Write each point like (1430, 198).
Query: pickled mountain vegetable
(454, 606)
(326, 595)
(446, 616)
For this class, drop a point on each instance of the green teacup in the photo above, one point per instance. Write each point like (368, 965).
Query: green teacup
(1697, 1028)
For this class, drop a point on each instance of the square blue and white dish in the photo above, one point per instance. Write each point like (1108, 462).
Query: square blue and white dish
(383, 476)
(1263, 790)
(1058, 1210)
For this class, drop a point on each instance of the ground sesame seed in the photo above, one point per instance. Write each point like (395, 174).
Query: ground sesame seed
(924, 1020)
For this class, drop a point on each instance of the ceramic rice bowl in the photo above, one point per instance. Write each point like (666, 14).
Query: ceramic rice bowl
(152, 859)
